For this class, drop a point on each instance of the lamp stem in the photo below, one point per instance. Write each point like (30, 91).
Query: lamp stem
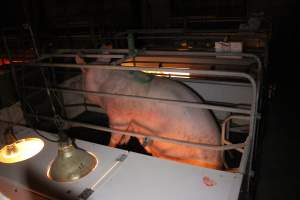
(63, 138)
(9, 136)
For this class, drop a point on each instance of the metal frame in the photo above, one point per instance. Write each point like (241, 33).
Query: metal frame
(122, 54)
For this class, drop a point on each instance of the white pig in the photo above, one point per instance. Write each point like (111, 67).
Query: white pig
(169, 121)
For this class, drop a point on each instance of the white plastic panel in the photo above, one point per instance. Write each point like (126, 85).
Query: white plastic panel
(70, 98)
(32, 173)
(223, 92)
(148, 178)
(137, 177)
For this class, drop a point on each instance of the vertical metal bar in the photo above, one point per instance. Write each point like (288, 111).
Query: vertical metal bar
(33, 40)
(6, 45)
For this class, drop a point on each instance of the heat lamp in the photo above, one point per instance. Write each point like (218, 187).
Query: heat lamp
(19, 150)
(71, 163)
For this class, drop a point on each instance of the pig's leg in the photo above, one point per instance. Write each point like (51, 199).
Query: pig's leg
(79, 60)
(117, 138)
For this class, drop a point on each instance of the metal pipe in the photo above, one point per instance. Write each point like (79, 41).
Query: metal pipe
(168, 60)
(109, 67)
(84, 55)
(238, 149)
(28, 26)
(171, 53)
(248, 150)
(115, 51)
(4, 38)
(165, 101)
(244, 160)
(223, 129)
(134, 134)
(223, 126)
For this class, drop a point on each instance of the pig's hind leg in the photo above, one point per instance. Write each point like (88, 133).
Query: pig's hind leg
(117, 138)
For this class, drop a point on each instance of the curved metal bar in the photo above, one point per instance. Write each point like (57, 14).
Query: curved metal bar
(223, 126)
(134, 134)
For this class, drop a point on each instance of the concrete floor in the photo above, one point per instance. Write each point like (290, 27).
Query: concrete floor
(278, 169)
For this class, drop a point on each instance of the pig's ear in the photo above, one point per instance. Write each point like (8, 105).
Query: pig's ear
(80, 61)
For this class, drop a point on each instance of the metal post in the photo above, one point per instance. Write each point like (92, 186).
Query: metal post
(6, 45)
(131, 45)
(27, 26)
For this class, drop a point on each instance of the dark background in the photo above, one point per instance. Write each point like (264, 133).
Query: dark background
(277, 176)
(49, 17)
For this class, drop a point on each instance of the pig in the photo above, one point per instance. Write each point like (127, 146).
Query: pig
(170, 121)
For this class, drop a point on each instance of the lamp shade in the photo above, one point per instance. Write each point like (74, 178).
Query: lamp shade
(71, 164)
(21, 150)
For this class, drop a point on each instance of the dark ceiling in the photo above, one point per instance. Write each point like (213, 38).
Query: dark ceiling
(131, 13)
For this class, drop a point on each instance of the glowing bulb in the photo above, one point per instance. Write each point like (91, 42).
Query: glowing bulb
(171, 74)
(162, 73)
(21, 150)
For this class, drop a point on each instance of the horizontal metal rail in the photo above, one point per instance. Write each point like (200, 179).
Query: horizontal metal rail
(171, 53)
(154, 100)
(134, 134)
(84, 56)
(109, 67)
(162, 59)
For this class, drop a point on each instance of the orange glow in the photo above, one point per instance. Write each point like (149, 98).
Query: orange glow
(169, 74)
(21, 150)
(161, 73)
(4, 61)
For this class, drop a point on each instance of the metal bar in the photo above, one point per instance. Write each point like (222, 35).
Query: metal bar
(188, 60)
(164, 53)
(148, 59)
(244, 160)
(248, 151)
(165, 101)
(198, 72)
(238, 149)
(74, 105)
(243, 117)
(171, 53)
(84, 55)
(133, 134)
(4, 38)
(223, 129)
(28, 26)
(115, 51)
